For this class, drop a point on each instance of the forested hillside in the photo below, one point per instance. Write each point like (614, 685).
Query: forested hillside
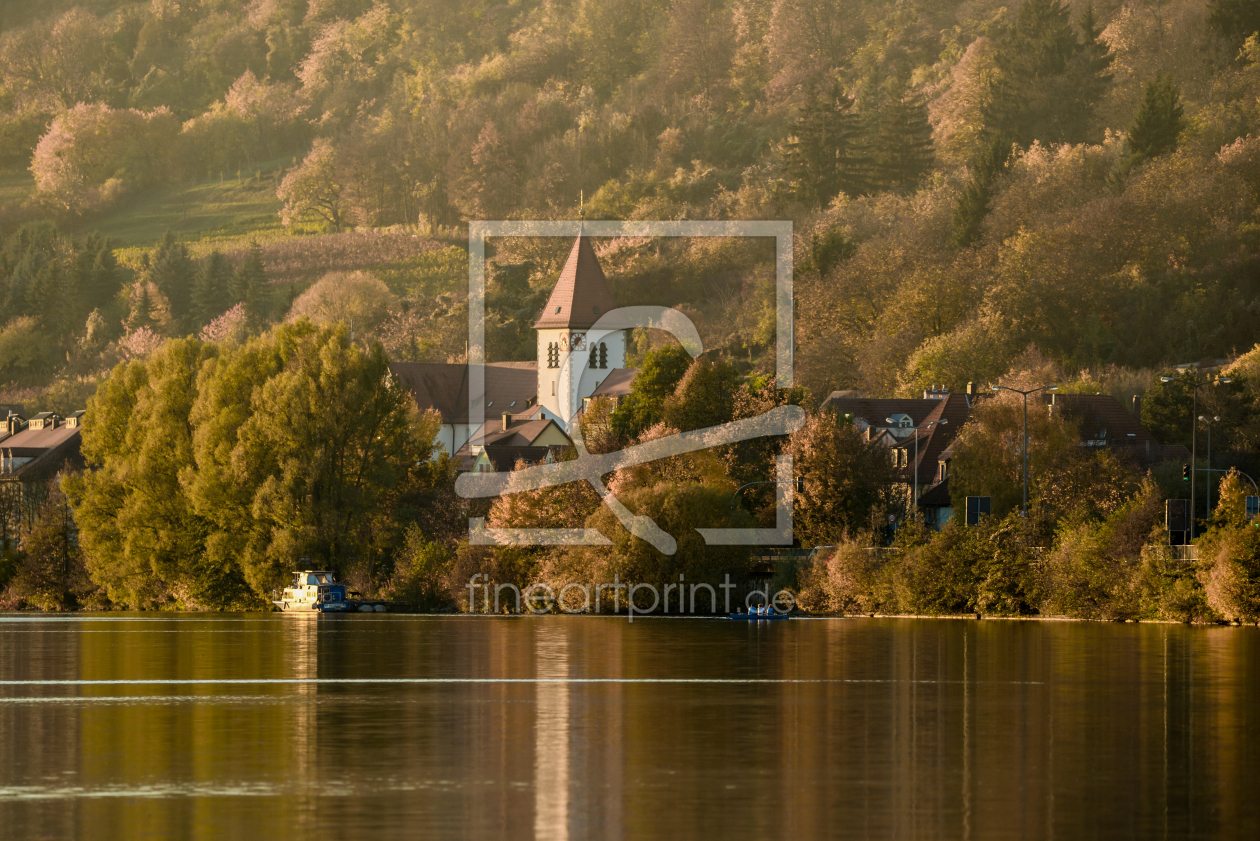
(967, 179)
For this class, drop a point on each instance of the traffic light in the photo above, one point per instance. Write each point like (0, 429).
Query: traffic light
(1185, 473)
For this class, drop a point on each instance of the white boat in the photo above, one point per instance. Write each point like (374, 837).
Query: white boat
(318, 590)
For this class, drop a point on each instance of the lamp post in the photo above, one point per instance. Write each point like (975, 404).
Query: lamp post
(1205, 420)
(999, 387)
(915, 497)
(1195, 384)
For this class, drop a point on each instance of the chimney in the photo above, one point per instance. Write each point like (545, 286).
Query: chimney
(507, 420)
(971, 389)
(1137, 406)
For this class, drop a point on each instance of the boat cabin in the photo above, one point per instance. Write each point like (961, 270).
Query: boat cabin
(310, 588)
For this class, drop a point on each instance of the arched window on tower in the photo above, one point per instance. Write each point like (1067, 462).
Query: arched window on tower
(592, 362)
(553, 355)
(603, 355)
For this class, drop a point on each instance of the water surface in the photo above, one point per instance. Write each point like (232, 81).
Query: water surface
(384, 727)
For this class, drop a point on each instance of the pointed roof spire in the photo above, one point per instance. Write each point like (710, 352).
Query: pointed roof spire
(581, 295)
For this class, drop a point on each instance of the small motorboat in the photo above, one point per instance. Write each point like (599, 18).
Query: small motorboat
(318, 590)
(761, 617)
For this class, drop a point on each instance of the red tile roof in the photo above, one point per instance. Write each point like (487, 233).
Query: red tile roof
(581, 295)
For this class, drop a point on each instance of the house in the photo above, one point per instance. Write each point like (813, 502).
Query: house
(502, 440)
(573, 361)
(1105, 423)
(32, 452)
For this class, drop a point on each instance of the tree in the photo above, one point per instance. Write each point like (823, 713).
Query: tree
(1159, 122)
(1044, 89)
(1234, 20)
(357, 300)
(172, 272)
(901, 148)
(704, 397)
(988, 453)
(212, 294)
(847, 480)
(215, 468)
(311, 190)
(825, 154)
(492, 176)
(324, 483)
(662, 370)
(50, 573)
(248, 287)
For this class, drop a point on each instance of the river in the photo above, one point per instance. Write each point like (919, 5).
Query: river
(277, 726)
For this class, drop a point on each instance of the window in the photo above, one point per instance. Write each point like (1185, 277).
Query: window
(553, 355)
(553, 388)
(593, 355)
(603, 355)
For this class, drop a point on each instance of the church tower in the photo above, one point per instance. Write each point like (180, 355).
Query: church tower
(580, 297)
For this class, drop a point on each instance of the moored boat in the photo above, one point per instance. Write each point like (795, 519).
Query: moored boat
(317, 590)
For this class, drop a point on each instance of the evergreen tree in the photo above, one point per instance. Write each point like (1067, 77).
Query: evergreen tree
(1093, 64)
(824, 154)
(1159, 121)
(1235, 20)
(249, 286)
(1038, 93)
(47, 299)
(141, 312)
(172, 271)
(105, 279)
(901, 145)
(973, 203)
(212, 289)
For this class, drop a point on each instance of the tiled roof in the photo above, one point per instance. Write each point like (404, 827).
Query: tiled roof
(581, 295)
(520, 432)
(510, 386)
(874, 411)
(1104, 421)
(617, 383)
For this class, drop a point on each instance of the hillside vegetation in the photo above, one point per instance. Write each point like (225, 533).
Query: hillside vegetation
(967, 179)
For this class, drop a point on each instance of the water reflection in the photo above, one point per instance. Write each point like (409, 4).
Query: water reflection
(876, 729)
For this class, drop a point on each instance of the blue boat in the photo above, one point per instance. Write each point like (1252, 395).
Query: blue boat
(760, 617)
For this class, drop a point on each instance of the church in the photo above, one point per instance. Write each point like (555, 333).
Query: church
(532, 407)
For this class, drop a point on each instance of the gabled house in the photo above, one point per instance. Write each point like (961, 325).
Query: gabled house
(501, 440)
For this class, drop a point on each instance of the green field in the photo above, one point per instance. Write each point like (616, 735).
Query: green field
(228, 211)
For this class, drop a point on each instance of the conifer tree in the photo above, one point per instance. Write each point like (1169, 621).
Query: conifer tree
(212, 289)
(171, 270)
(141, 313)
(249, 286)
(902, 151)
(1159, 121)
(1235, 20)
(824, 155)
(105, 279)
(1038, 93)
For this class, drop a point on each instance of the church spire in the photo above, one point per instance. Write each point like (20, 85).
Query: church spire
(581, 295)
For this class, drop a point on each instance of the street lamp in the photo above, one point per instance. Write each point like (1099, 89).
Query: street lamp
(1024, 511)
(1195, 384)
(928, 425)
(1204, 419)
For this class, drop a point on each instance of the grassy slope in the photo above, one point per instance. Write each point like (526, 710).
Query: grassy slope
(225, 213)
